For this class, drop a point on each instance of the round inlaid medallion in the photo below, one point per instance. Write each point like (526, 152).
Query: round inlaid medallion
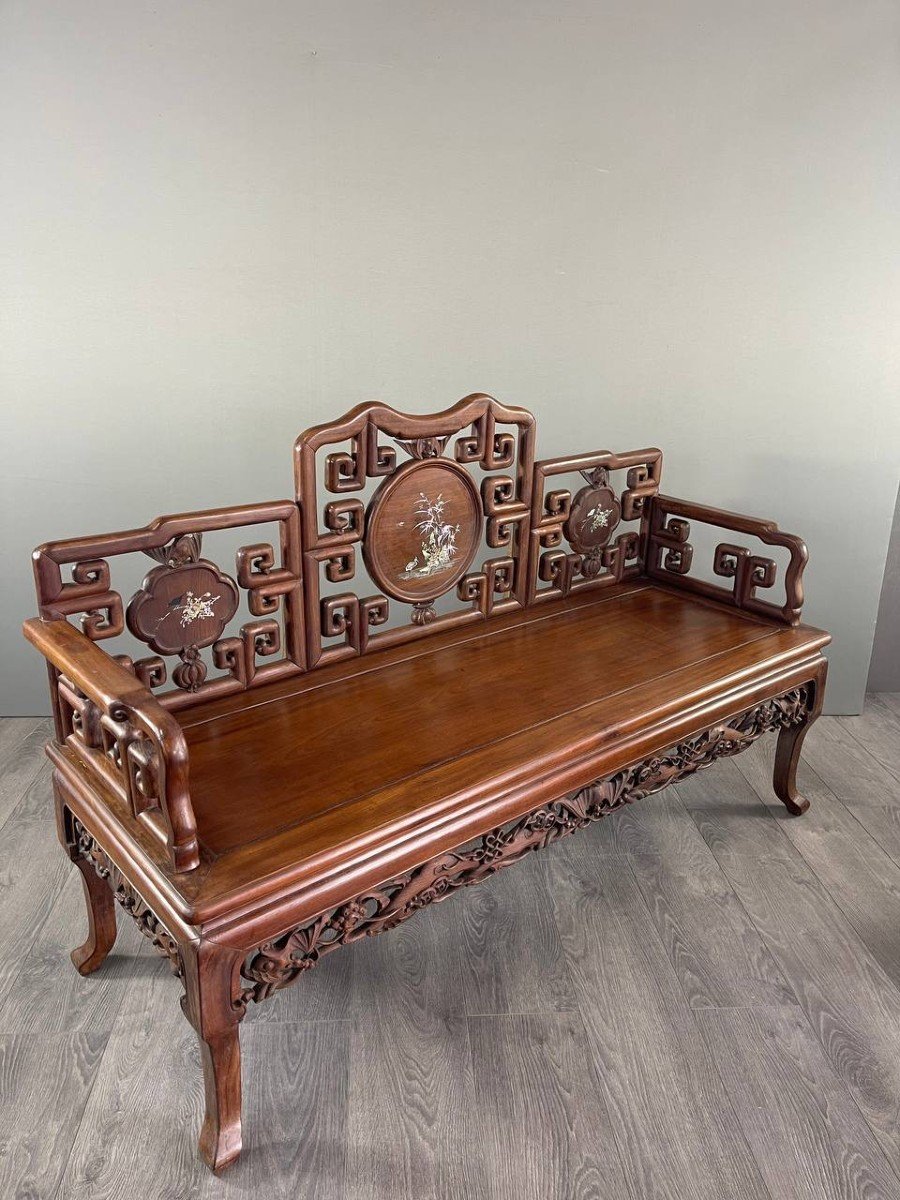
(182, 607)
(594, 515)
(422, 530)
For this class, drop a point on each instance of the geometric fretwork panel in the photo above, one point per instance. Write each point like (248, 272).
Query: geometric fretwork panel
(412, 524)
(209, 630)
(595, 534)
(735, 572)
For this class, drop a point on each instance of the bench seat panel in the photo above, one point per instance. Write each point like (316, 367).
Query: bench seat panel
(327, 763)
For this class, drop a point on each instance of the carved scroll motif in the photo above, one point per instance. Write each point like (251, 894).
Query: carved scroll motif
(670, 555)
(83, 845)
(280, 961)
(596, 554)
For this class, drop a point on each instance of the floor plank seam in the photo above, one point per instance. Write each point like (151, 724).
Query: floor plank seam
(834, 1066)
(822, 883)
(626, 861)
(868, 750)
(63, 1175)
(41, 767)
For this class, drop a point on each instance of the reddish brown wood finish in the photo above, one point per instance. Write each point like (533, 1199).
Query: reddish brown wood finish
(101, 911)
(334, 792)
(405, 552)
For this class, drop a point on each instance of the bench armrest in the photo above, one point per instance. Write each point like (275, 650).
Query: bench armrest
(124, 732)
(670, 554)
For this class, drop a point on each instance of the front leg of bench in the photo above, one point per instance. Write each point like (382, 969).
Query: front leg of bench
(788, 746)
(212, 1006)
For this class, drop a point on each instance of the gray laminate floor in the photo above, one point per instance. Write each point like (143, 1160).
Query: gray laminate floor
(699, 998)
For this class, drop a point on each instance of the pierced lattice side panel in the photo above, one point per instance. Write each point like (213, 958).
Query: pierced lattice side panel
(598, 536)
(186, 608)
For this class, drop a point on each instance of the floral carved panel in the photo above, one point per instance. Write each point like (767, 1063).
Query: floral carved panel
(82, 844)
(280, 961)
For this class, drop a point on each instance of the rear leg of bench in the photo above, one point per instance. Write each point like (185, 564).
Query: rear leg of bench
(787, 750)
(213, 1008)
(98, 895)
(101, 911)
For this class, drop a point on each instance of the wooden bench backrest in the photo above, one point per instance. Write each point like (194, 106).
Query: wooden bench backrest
(403, 525)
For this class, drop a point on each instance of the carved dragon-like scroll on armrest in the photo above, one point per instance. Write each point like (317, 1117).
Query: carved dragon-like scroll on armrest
(123, 732)
(670, 556)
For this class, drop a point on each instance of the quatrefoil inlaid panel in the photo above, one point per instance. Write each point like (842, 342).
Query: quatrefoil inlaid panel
(597, 536)
(181, 607)
(225, 631)
(437, 532)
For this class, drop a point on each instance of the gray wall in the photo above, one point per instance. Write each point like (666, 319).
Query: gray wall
(648, 222)
(884, 669)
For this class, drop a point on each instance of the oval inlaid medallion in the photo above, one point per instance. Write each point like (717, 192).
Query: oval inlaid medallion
(594, 515)
(183, 607)
(422, 530)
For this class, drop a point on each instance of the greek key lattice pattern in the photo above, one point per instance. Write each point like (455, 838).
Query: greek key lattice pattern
(279, 962)
(580, 541)
(187, 605)
(479, 446)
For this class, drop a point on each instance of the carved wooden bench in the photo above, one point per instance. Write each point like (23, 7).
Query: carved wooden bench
(386, 721)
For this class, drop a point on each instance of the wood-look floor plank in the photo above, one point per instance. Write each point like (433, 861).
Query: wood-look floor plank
(296, 1080)
(877, 728)
(541, 1119)
(411, 1129)
(866, 788)
(715, 949)
(140, 1126)
(511, 959)
(33, 872)
(13, 731)
(808, 1136)
(849, 1000)
(23, 761)
(45, 1082)
(846, 859)
(677, 1135)
(47, 994)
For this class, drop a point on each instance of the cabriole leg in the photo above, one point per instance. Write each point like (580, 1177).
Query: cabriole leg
(211, 1006)
(98, 897)
(787, 752)
(101, 910)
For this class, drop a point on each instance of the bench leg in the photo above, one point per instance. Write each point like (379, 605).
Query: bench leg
(787, 751)
(210, 973)
(787, 756)
(101, 910)
(98, 895)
